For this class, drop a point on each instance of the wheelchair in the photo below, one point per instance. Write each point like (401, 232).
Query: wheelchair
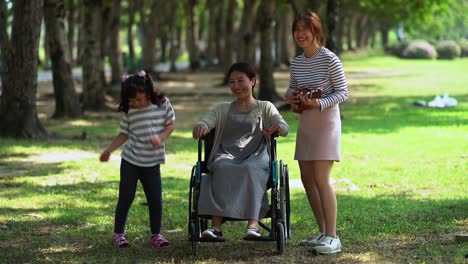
(277, 186)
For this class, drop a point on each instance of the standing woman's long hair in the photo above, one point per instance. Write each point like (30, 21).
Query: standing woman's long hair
(312, 21)
(139, 82)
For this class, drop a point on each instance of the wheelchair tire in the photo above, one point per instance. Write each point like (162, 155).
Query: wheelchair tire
(288, 203)
(190, 220)
(283, 192)
(280, 239)
(193, 239)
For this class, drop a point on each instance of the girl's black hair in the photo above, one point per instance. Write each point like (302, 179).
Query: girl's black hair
(139, 82)
(246, 68)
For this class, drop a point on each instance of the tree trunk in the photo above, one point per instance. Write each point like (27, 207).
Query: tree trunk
(46, 63)
(175, 47)
(229, 29)
(247, 33)
(115, 53)
(163, 40)
(384, 28)
(314, 5)
(66, 100)
(80, 42)
(333, 8)
(265, 22)
(220, 34)
(192, 45)
(93, 90)
(18, 113)
(284, 34)
(351, 26)
(340, 32)
(173, 31)
(371, 34)
(130, 58)
(71, 28)
(363, 32)
(149, 26)
(294, 7)
(212, 7)
(106, 9)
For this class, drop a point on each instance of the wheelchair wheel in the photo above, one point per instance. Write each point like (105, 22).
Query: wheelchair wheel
(194, 220)
(288, 203)
(193, 227)
(283, 199)
(190, 218)
(280, 239)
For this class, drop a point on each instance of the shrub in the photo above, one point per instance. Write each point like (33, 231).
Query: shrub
(397, 49)
(448, 49)
(420, 49)
(463, 43)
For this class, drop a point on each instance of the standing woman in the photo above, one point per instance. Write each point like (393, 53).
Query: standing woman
(318, 139)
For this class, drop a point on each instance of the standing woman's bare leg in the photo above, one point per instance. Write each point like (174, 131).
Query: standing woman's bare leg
(322, 169)
(307, 177)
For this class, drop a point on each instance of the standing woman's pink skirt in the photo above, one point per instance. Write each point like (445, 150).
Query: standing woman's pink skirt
(319, 134)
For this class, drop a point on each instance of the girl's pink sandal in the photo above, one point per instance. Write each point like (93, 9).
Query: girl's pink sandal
(119, 241)
(158, 241)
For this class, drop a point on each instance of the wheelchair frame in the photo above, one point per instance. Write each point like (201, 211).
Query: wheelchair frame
(278, 182)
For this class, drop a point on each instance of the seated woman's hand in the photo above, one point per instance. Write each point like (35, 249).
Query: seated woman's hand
(271, 130)
(199, 131)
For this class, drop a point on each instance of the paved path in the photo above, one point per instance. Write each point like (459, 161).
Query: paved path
(43, 76)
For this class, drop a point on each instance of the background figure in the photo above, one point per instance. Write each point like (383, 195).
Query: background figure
(147, 121)
(318, 139)
(239, 162)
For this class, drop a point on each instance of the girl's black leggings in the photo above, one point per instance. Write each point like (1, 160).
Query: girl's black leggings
(150, 178)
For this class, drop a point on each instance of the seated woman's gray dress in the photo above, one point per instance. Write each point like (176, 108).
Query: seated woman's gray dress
(236, 184)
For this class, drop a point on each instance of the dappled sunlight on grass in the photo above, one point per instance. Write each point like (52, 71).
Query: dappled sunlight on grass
(80, 123)
(401, 183)
(173, 84)
(58, 157)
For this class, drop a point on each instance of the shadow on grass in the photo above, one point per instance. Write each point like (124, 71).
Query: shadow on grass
(74, 223)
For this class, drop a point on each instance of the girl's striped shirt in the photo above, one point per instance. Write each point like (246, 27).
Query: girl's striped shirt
(140, 125)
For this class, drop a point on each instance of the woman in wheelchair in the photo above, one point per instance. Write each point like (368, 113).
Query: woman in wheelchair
(236, 187)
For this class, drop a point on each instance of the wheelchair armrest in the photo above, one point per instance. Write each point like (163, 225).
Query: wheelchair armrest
(205, 144)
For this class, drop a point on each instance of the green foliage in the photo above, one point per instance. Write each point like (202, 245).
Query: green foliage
(420, 49)
(443, 20)
(397, 48)
(448, 49)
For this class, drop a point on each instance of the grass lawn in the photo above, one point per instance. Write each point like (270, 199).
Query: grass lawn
(401, 184)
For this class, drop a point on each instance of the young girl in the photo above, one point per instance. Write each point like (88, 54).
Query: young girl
(147, 121)
(319, 129)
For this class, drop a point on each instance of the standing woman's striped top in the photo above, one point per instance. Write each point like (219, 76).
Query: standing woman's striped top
(140, 125)
(323, 70)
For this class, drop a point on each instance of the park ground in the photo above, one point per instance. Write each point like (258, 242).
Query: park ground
(401, 186)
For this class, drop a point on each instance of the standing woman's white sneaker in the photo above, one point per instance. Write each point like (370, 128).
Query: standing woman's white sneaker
(314, 241)
(329, 245)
